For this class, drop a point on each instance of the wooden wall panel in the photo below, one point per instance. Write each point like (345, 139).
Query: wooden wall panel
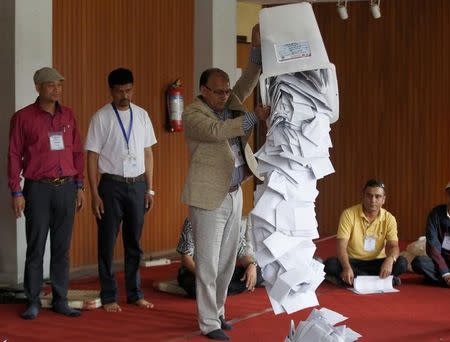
(155, 40)
(393, 76)
(392, 73)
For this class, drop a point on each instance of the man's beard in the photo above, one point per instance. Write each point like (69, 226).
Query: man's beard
(124, 102)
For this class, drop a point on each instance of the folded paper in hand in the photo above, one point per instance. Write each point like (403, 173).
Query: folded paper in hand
(372, 284)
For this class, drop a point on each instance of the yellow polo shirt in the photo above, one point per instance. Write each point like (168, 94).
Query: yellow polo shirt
(354, 227)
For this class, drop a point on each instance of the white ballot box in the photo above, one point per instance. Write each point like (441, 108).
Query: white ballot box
(291, 42)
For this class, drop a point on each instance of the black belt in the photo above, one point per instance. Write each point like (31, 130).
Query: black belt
(233, 188)
(56, 181)
(128, 180)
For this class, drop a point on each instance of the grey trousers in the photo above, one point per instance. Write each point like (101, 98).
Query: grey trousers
(216, 238)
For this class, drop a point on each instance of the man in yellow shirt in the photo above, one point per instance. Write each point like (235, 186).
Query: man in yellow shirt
(367, 242)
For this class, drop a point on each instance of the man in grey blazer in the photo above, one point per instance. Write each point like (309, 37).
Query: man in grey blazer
(217, 127)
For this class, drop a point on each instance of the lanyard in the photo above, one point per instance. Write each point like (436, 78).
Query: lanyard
(125, 135)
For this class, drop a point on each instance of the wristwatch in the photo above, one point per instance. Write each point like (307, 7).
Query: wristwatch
(150, 192)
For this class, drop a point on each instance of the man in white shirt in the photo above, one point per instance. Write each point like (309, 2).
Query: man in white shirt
(119, 148)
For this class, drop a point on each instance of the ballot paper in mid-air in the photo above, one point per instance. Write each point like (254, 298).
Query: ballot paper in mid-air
(320, 326)
(301, 89)
(373, 284)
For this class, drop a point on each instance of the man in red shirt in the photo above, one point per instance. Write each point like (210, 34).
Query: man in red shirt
(45, 146)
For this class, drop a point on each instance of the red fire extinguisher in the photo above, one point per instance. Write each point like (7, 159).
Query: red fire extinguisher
(175, 106)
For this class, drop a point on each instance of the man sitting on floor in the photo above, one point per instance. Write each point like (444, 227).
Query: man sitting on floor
(365, 231)
(435, 265)
(247, 274)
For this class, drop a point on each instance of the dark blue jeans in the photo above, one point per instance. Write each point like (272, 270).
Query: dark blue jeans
(48, 207)
(364, 267)
(123, 203)
(424, 265)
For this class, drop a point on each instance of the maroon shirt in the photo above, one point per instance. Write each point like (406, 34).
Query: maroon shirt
(29, 146)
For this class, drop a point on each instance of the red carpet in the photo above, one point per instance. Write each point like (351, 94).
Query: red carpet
(416, 313)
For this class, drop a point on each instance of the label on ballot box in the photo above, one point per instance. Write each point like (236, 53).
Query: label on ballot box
(293, 50)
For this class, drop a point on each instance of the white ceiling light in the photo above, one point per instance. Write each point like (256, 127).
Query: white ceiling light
(342, 9)
(375, 8)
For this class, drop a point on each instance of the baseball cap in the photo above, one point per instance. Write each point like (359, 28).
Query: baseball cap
(47, 74)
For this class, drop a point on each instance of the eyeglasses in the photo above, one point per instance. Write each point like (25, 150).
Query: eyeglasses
(219, 92)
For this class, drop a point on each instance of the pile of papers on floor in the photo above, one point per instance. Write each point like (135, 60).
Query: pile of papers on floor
(373, 284)
(319, 327)
(76, 299)
(294, 156)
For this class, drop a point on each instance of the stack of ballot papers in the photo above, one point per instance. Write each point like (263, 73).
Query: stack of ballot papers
(373, 284)
(319, 327)
(302, 93)
(294, 156)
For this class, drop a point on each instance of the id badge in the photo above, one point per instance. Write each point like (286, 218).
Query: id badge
(129, 166)
(56, 141)
(369, 243)
(238, 157)
(446, 242)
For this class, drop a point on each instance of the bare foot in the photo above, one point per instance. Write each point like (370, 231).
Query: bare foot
(142, 303)
(112, 307)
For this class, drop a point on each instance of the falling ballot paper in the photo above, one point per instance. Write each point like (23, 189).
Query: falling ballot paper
(300, 85)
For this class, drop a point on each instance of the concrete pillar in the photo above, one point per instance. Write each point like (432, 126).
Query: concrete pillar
(215, 37)
(26, 36)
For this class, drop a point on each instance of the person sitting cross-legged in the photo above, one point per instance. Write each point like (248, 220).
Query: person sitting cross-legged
(246, 276)
(435, 265)
(367, 242)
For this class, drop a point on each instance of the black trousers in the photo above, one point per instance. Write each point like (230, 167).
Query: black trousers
(48, 208)
(186, 279)
(123, 203)
(424, 265)
(364, 267)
